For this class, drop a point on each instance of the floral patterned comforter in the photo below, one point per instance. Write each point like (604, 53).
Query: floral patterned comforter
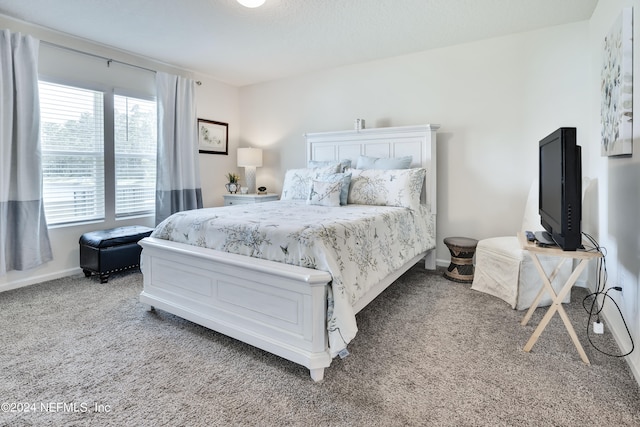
(357, 244)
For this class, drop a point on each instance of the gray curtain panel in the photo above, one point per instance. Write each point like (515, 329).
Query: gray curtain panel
(178, 172)
(24, 238)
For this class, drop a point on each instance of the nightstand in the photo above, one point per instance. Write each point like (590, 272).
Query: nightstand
(246, 199)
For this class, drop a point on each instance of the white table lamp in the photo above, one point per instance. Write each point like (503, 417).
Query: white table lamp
(250, 159)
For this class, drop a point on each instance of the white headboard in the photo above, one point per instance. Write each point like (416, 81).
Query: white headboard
(416, 141)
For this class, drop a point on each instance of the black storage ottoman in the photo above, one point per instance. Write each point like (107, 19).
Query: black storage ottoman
(107, 251)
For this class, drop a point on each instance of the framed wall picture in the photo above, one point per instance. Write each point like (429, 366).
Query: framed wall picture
(617, 88)
(213, 137)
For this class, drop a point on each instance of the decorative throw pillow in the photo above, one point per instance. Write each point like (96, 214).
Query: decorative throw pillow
(342, 166)
(387, 187)
(344, 178)
(325, 193)
(366, 162)
(297, 182)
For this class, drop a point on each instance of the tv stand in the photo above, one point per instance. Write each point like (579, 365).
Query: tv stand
(556, 305)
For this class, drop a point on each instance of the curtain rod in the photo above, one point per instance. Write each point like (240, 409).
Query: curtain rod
(109, 60)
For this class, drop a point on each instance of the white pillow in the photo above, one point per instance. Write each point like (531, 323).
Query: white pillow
(325, 193)
(366, 162)
(387, 187)
(344, 178)
(341, 166)
(297, 182)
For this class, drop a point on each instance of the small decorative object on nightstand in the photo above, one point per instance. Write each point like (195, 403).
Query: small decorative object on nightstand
(232, 186)
(262, 190)
(246, 199)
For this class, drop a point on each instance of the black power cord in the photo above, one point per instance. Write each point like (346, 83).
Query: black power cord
(601, 283)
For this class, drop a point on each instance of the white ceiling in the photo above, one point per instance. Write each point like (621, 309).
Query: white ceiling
(242, 46)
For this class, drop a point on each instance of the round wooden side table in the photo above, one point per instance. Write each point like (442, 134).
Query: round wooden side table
(462, 250)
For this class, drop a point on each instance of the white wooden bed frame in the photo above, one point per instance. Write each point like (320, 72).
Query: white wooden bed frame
(277, 307)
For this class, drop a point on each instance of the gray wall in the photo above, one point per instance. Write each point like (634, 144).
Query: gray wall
(616, 196)
(495, 99)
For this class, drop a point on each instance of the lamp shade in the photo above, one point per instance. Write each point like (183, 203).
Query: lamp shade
(250, 157)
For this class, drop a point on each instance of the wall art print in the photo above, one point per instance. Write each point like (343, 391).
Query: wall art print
(213, 137)
(617, 87)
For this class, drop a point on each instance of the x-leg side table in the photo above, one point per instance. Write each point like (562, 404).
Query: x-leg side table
(556, 305)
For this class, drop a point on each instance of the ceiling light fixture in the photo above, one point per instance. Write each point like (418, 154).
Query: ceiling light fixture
(251, 3)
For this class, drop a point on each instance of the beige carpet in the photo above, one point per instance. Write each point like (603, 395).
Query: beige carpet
(429, 352)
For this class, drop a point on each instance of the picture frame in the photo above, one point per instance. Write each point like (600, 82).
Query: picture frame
(213, 137)
(616, 107)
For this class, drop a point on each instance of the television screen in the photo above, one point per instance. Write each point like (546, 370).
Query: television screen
(560, 187)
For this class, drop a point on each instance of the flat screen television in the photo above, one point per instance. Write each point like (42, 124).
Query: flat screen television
(560, 190)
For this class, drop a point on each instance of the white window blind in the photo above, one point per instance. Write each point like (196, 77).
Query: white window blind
(72, 133)
(135, 155)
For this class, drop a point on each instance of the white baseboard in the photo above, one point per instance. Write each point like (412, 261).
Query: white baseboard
(40, 278)
(614, 324)
(442, 263)
(581, 283)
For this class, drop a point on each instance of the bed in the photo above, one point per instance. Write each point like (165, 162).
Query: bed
(295, 306)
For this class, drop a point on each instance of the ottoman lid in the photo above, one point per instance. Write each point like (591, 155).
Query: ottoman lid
(115, 236)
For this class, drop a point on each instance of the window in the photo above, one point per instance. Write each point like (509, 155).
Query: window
(74, 150)
(72, 132)
(135, 155)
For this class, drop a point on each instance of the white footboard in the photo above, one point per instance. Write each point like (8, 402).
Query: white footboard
(277, 307)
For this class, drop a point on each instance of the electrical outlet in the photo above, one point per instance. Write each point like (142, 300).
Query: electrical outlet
(598, 327)
(622, 278)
